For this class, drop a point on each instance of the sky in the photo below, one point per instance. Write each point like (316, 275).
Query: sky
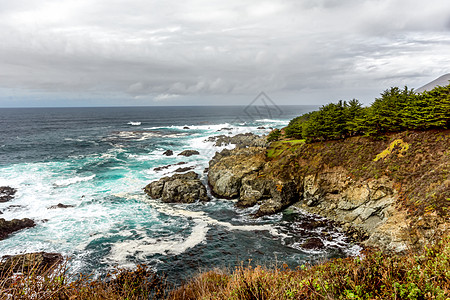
(193, 52)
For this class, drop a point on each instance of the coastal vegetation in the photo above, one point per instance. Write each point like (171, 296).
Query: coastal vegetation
(374, 275)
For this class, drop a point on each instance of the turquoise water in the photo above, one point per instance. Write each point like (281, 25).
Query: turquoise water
(99, 160)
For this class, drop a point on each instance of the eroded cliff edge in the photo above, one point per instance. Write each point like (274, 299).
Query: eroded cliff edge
(392, 193)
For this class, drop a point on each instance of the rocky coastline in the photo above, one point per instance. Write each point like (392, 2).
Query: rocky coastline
(344, 181)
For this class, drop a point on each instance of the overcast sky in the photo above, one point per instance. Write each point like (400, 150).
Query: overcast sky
(192, 52)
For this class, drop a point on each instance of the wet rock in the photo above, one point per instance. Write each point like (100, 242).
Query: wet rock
(313, 243)
(261, 127)
(168, 153)
(183, 188)
(185, 127)
(7, 193)
(157, 169)
(225, 129)
(189, 153)
(185, 169)
(8, 227)
(60, 205)
(37, 262)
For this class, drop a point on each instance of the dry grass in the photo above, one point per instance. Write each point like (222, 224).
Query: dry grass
(57, 283)
(377, 276)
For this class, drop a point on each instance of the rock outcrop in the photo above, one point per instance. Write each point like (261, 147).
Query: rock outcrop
(37, 262)
(168, 153)
(188, 153)
(7, 193)
(184, 188)
(60, 205)
(8, 227)
(241, 140)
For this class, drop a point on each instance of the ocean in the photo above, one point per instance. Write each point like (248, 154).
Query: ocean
(98, 160)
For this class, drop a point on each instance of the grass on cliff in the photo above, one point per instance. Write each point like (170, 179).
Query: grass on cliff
(375, 276)
(279, 147)
(417, 161)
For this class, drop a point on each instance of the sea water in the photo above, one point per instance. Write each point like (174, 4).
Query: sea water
(98, 160)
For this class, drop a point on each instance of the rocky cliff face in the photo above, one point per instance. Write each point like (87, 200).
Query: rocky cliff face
(395, 192)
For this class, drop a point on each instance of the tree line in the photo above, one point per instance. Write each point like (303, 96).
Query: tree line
(396, 110)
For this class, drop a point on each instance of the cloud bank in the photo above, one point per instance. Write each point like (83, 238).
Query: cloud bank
(209, 52)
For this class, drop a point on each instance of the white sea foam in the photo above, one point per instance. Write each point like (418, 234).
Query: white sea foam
(69, 181)
(134, 123)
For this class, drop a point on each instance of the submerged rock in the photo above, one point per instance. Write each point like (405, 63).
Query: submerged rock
(157, 169)
(37, 262)
(168, 153)
(7, 193)
(8, 227)
(60, 205)
(184, 188)
(189, 153)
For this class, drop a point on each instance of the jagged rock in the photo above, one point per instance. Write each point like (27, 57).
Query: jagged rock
(261, 127)
(60, 205)
(184, 188)
(157, 169)
(313, 243)
(229, 167)
(8, 227)
(189, 153)
(37, 262)
(282, 194)
(168, 153)
(7, 193)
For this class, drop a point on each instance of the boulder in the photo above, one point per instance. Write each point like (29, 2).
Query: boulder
(7, 193)
(181, 188)
(168, 153)
(8, 227)
(60, 205)
(189, 153)
(37, 262)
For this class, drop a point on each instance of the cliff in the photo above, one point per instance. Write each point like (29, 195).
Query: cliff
(392, 193)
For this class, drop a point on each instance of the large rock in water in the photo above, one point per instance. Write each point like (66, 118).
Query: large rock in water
(189, 153)
(7, 193)
(37, 262)
(8, 227)
(239, 173)
(184, 188)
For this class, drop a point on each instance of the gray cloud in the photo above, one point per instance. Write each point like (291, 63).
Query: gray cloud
(168, 51)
